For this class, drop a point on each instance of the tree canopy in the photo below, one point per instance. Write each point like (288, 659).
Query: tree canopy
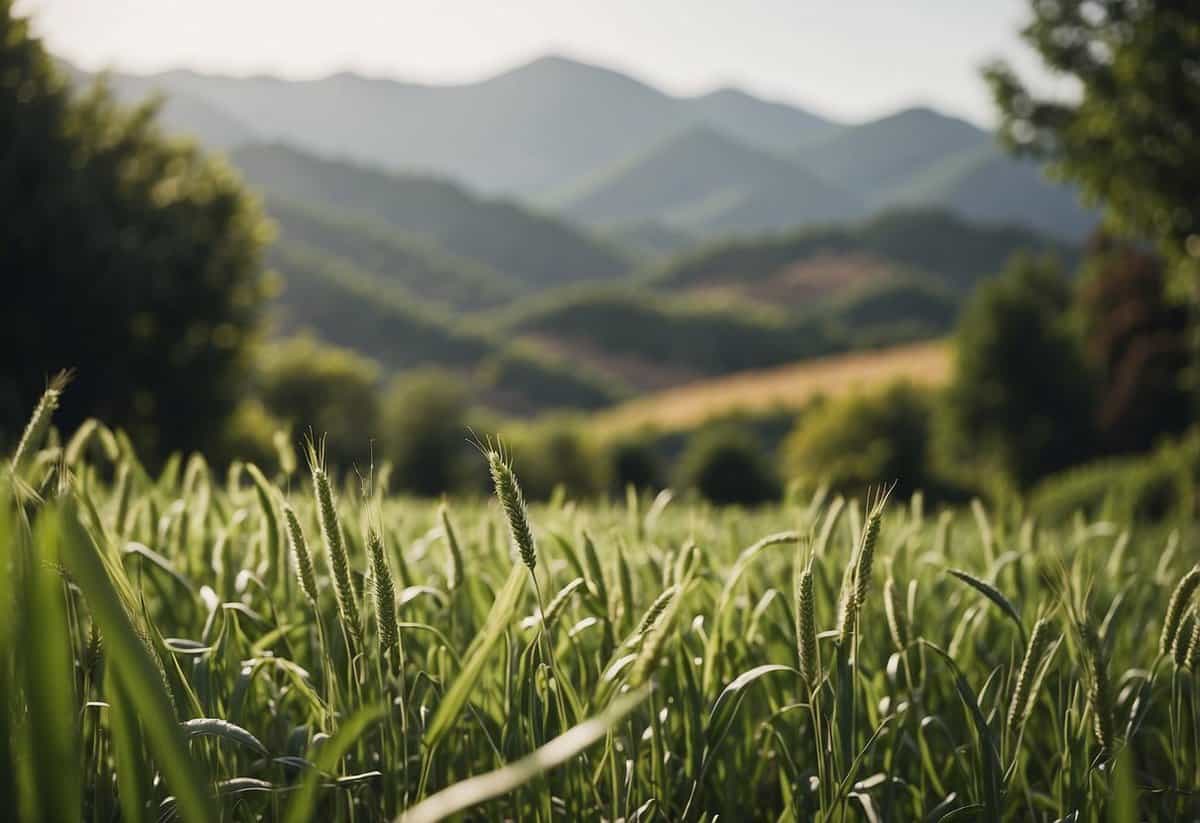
(129, 257)
(1132, 135)
(1020, 399)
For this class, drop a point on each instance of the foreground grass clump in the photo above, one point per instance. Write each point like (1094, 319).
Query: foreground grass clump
(304, 646)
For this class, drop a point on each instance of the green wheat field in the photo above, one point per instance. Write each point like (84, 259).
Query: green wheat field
(305, 647)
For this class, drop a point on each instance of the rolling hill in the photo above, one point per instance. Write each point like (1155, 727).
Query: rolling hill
(359, 310)
(533, 249)
(987, 185)
(796, 268)
(423, 269)
(762, 124)
(878, 154)
(179, 111)
(650, 341)
(922, 157)
(704, 182)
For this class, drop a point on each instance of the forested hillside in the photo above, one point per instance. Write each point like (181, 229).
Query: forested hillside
(535, 249)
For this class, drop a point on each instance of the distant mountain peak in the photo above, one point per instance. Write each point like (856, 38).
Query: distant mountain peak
(560, 68)
(926, 115)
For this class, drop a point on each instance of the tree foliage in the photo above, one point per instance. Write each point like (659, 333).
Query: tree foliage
(727, 464)
(862, 440)
(1137, 341)
(424, 433)
(1019, 401)
(129, 257)
(329, 391)
(1132, 137)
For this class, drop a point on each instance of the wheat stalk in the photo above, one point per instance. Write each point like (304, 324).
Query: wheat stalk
(1099, 693)
(300, 554)
(335, 549)
(806, 628)
(508, 492)
(1024, 693)
(1177, 607)
(385, 593)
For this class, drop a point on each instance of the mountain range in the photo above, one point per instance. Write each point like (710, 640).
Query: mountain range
(564, 236)
(606, 149)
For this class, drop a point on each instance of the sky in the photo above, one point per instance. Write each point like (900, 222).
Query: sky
(847, 59)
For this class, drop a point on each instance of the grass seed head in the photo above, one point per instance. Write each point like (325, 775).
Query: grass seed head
(1099, 694)
(1177, 607)
(1193, 652)
(508, 492)
(1023, 693)
(300, 554)
(335, 548)
(806, 628)
(385, 593)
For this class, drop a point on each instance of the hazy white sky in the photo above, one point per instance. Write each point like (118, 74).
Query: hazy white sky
(850, 59)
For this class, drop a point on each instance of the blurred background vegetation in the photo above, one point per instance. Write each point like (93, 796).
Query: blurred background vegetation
(217, 288)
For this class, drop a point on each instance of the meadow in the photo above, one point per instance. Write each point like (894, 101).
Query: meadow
(199, 646)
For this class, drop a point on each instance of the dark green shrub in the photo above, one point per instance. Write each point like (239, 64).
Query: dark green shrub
(727, 464)
(1151, 487)
(425, 434)
(557, 452)
(633, 461)
(862, 440)
(1019, 405)
(331, 391)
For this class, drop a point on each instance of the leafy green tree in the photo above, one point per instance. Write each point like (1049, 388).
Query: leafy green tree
(1020, 399)
(331, 391)
(1137, 340)
(1132, 136)
(633, 461)
(557, 453)
(425, 434)
(866, 440)
(727, 464)
(131, 258)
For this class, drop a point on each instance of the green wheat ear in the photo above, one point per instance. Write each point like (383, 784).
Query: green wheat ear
(331, 531)
(806, 628)
(385, 593)
(508, 492)
(1024, 693)
(39, 421)
(1099, 693)
(1177, 607)
(300, 554)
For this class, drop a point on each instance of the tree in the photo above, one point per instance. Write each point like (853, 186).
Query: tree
(130, 257)
(633, 461)
(865, 440)
(330, 390)
(1020, 398)
(727, 464)
(557, 452)
(1132, 137)
(425, 431)
(1137, 341)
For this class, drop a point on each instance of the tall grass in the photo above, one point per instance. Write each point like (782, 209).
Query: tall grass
(164, 653)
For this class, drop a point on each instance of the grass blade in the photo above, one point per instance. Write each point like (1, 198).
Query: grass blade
(128, 656)
(495, 624)
(475, 790)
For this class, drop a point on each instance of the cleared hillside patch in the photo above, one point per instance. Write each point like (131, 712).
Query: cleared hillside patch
(783, 387)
